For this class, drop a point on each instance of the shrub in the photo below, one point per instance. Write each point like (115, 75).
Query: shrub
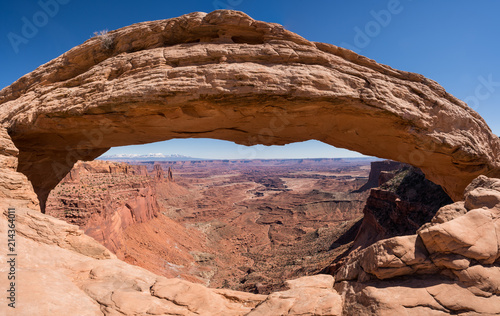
(107, 40)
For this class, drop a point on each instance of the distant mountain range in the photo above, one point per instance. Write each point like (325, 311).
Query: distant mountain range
(148, 157)
(177, 157)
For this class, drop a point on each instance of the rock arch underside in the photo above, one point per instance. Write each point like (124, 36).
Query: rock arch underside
(226, 76)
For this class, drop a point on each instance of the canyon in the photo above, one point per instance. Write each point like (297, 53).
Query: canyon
(224, 75)
(238, 224)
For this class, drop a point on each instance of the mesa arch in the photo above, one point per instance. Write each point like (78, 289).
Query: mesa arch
(224, 75)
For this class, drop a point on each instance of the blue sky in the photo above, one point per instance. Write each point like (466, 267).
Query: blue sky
(454, 42)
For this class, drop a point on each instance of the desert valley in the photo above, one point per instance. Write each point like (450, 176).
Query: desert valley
(244, 225)
(239, 224)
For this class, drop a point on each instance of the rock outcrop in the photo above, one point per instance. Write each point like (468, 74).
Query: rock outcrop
(117, 205)
(399, 206)
(451, 266)
(170, 175)
(159, 174)
(224, 75)
(105, 198)
(15, 189)
(403, 202)
(380, 172)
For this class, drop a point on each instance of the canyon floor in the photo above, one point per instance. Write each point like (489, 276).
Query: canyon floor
(238, 224)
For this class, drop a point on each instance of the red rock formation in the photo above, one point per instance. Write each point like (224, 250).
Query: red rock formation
(116, 204)
(15, 189)
(73, 176)
(380, 172)
(456, 257)
(137, 170)
(102, 203)
(159, 174)
(399, 207)
(170, 175)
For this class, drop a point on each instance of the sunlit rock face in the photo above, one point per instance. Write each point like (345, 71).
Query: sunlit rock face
(451, 264)
(104, 198)
(224, 75)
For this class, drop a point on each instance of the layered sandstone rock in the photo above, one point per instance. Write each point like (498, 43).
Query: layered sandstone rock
(224, 75)
(450, 266)
(15, 188)
(117, 204)
(313, 295)
(381, 172)
(104, 198)
(403, 202)
(159, 174)
(399, 206)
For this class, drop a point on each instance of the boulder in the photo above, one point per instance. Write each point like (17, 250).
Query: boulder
(475, 235)
(449, 212)
(311, 295)
(424, 296)
(482, 192)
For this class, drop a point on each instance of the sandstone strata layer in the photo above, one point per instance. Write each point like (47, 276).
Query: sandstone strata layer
(224, 75)
(105, 198)
(451, 266)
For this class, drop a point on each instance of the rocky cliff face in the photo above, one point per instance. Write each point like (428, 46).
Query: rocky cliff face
(14, 187)
(117, 205)
(380, 172)
(451, 266)
(399, 206)
(403, 202)
(105, 198)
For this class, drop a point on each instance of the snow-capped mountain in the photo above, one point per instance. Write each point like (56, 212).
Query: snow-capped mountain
(150, 156)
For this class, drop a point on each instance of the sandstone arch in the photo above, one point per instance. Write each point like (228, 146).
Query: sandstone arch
(224, 75)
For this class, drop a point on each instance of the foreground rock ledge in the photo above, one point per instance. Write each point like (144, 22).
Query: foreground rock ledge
(224, 75)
